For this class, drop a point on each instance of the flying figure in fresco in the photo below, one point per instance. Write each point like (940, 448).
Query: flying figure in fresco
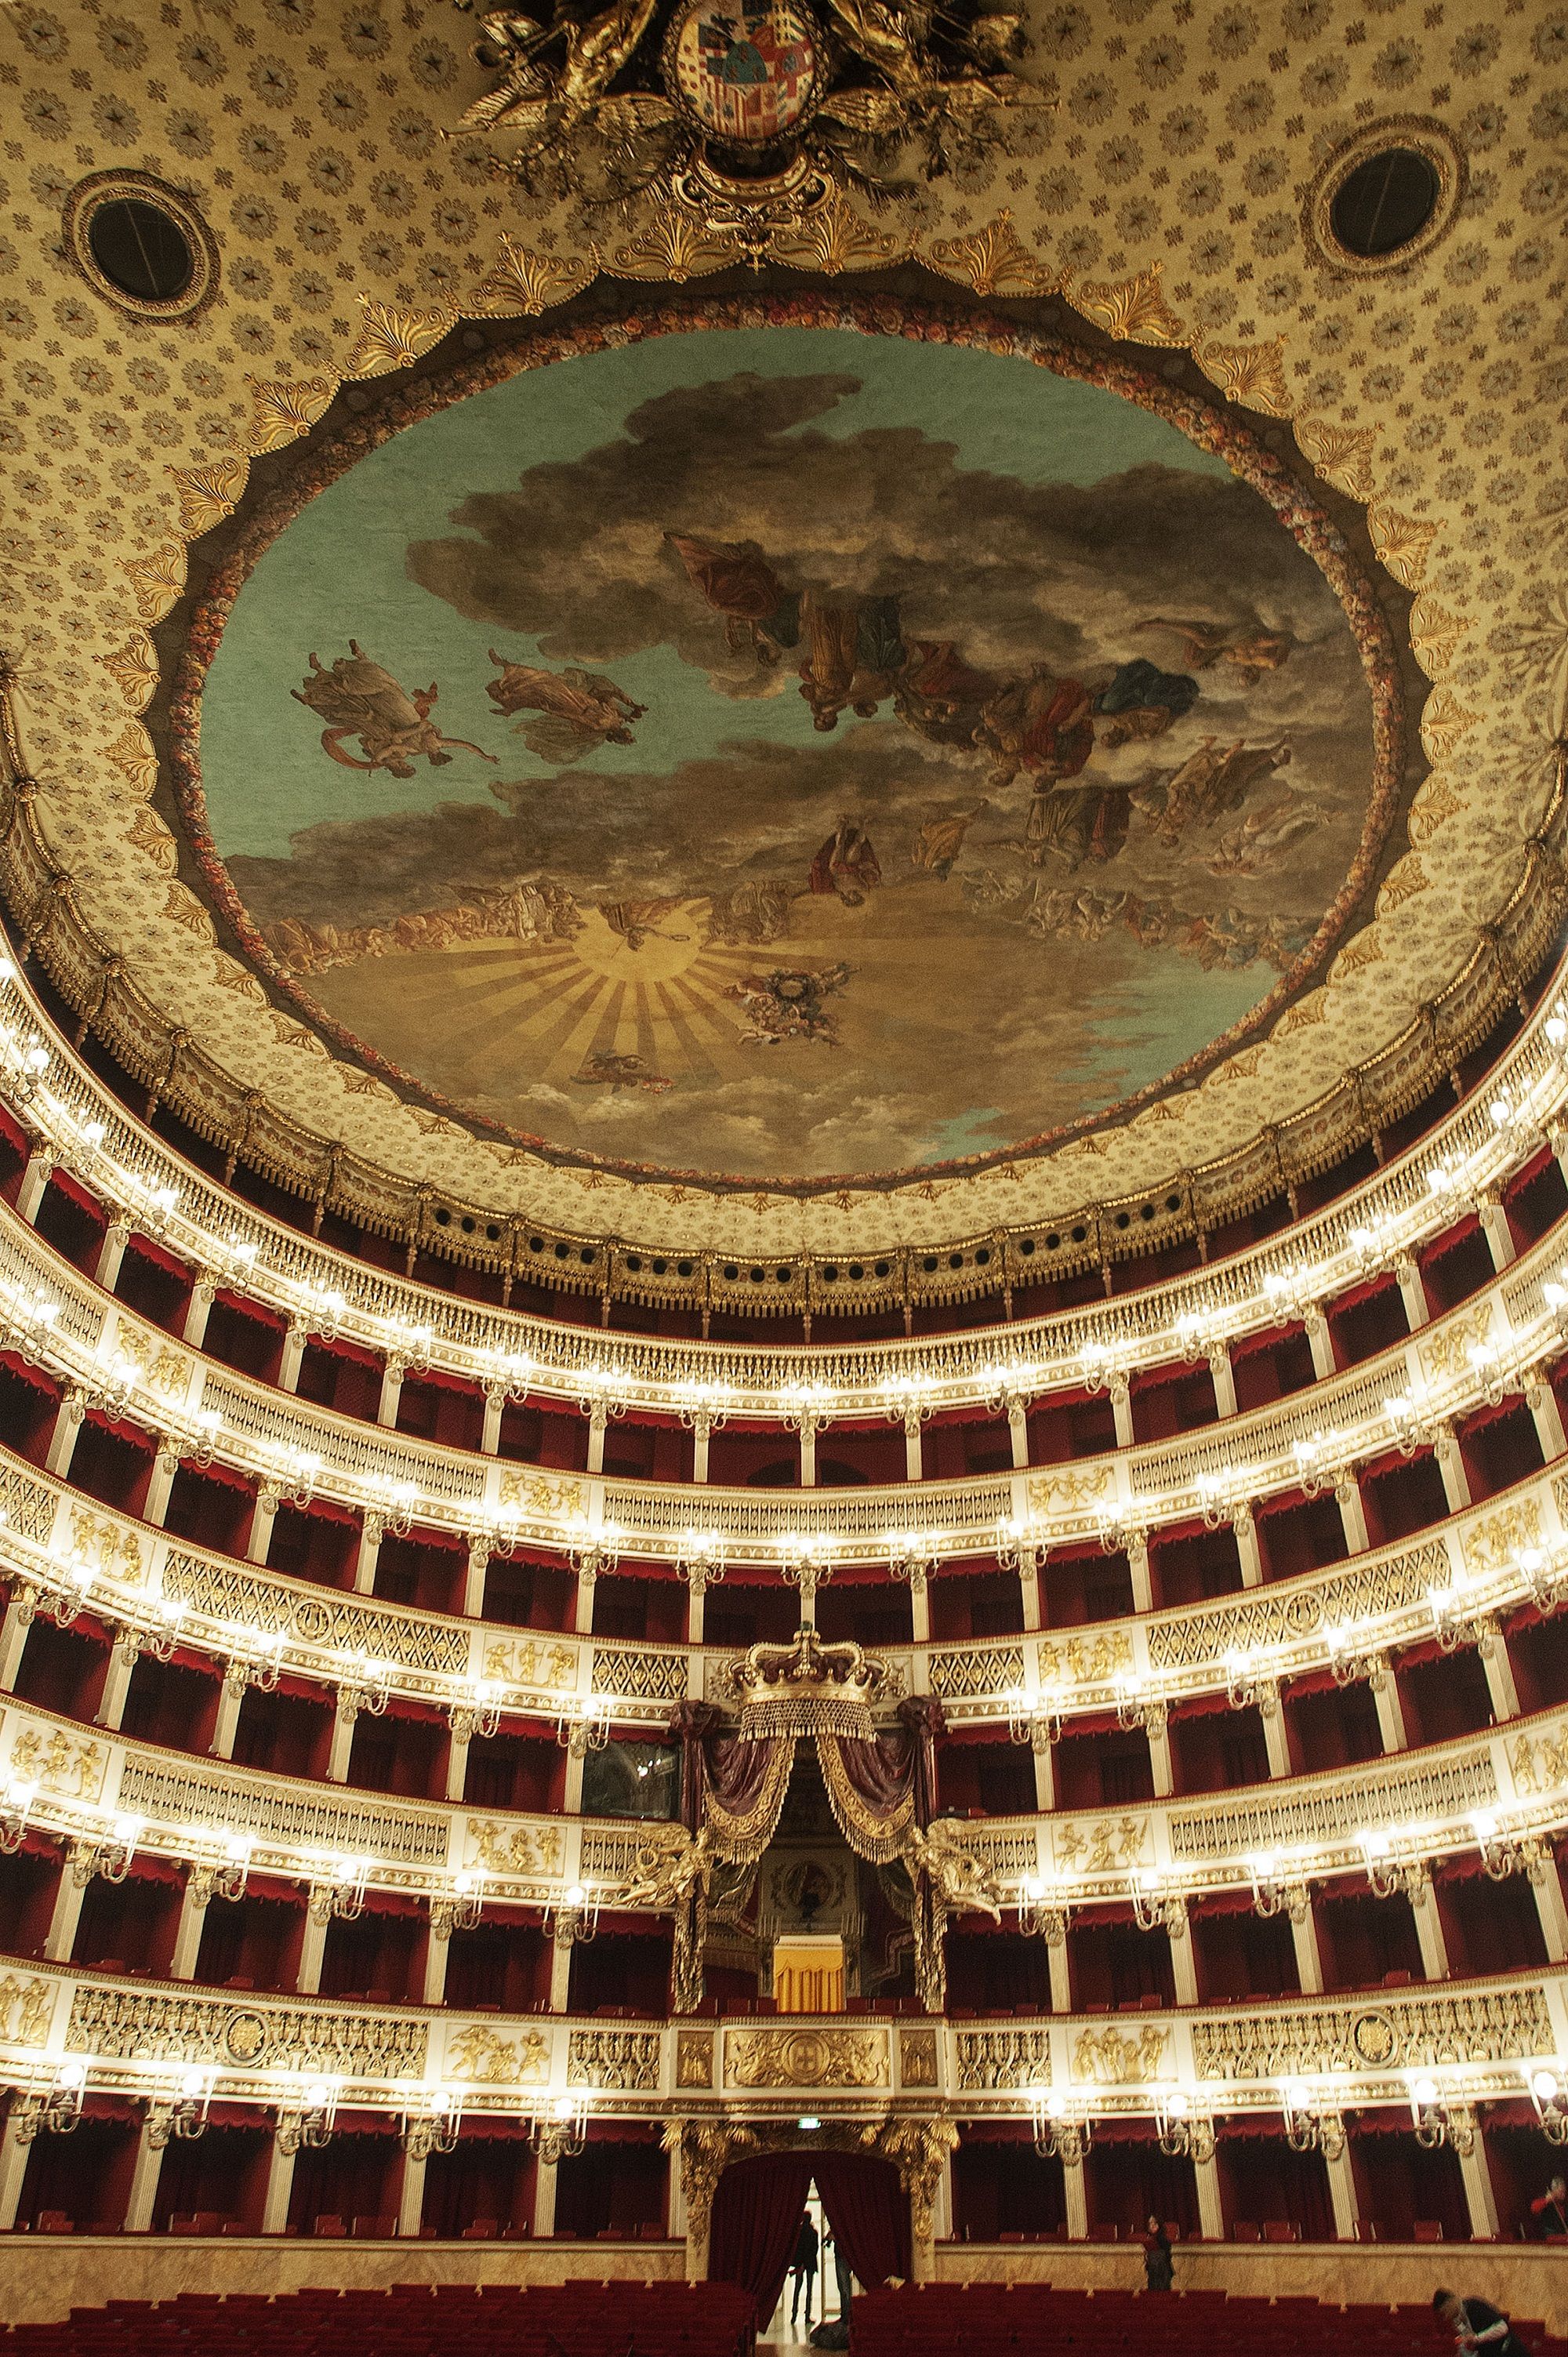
(936, 845)
(603, 1069)
(637, 921)
(1213, 781)
(580, 710)
(847, 864)
(738, 581)
(1252, 650)
(358, 698)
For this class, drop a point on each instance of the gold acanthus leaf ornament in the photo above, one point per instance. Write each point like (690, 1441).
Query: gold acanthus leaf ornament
(134, 669)
(523, 284)
(207, 494)
(1251, 374)
(1443, 724)
(1133, 310)
(1343, 457)
(132, 754)
(157, 580)
(280, 414)
(1435, 635)
(1402, 544)
(392, 339)
(676, 247)
(994, 261)
(835, 238)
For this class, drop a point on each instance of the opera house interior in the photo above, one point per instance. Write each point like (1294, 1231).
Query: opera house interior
(677, 1670)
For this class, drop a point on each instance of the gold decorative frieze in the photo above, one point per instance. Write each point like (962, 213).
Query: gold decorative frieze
(962, 1676)
(111, 1548)
(991, 2062)
(806, 2057)
(1439, 1791)
(484, 2058)
(290, 1819)
(245, 1600)
(640, 1676)
(144, 2025)
(624, 2062)
(1399, 2033)
(1499, 1540)
(539, 1497)
(1191, 1641)
(27, 1507)
(1114, 2058)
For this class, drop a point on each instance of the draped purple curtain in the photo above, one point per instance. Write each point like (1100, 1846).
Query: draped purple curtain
(757, 2216)
(868, 2210)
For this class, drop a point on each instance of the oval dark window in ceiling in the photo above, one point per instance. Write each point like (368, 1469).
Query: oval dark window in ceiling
(141, 250)
(1385, 203)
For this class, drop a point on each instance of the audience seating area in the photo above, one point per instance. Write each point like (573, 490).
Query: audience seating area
(570, 2320)
(954, 2319)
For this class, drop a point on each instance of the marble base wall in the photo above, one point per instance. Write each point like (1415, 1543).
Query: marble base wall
(43, 2277)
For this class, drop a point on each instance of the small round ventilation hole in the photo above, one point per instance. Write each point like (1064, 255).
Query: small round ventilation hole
(1384, 203)
(140, 244)
(141, 250)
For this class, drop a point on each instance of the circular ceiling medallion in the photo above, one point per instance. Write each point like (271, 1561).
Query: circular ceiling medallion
(747, 74)
(845, 739)
(140, 244)
(1386, 196)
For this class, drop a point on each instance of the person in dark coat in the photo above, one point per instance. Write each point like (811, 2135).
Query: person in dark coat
(803, 2267)
(1159, 2264)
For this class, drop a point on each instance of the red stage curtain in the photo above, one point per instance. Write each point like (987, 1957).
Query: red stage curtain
(868, 2210)
(757, 2217)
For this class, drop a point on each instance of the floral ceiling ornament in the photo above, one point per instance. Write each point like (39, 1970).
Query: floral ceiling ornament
(751, 125)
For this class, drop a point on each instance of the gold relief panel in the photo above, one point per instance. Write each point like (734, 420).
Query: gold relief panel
(1540, 1762)
(1496, 1543)
(990, 2060)
(27, 2009)
(694, 2058)
(485, 2059)
(1085, 1661)
(626, 2061)
(512, 1850)
(1105, 1845)
(530, 1663)
(545, 1500)
(806, 2057)
(115, 1551)
(919, 2062)
(1071, 1493)
(135, 2025)
(1447, 1351)
(58, 1763)
(1112, 2058)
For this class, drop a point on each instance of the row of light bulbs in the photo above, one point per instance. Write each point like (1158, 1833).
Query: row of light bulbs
(1410, 1419)
(1518, 1114)
(306, 2106)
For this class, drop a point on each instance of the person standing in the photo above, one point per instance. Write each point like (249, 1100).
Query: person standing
(803, 2267)
(1159, 2264)
(1549, 2209)
(1477, 2326)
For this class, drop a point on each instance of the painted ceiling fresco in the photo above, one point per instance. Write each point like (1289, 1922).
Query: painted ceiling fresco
(780, 752)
